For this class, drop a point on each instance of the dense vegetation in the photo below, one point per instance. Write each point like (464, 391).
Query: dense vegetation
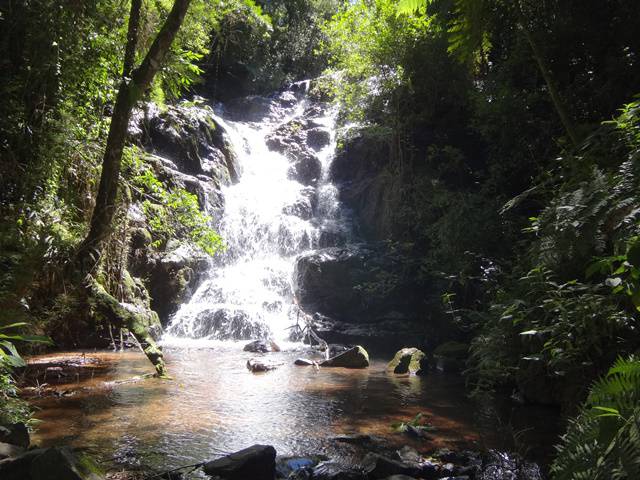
(513, 130)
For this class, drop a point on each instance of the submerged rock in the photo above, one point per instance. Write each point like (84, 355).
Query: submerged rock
(259, 366)
(257, 462)
(357, 357)
(336, 471)
(409, 360)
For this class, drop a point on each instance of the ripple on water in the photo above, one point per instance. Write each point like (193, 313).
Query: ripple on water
(214, 403)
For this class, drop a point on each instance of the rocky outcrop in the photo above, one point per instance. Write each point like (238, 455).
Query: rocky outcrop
(171, 275)
(358, 283)
(189, 136)
(356, 357)
(257, 462)
(367, 184)
(409, 360)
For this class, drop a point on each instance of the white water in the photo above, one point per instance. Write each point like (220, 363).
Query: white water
(248, 292)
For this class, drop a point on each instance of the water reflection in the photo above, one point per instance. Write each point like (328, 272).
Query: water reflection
(216, 404)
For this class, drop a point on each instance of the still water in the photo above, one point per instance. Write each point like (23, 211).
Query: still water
(214, 404)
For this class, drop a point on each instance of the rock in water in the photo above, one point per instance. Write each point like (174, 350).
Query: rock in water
(377, 466)
(62, 464)
(357, 357)
(409, 360)
(258, 366)
(257, 462)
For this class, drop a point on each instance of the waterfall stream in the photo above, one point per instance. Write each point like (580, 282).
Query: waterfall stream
(277, 210)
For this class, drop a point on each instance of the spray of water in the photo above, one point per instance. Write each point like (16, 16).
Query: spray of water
(248, 293)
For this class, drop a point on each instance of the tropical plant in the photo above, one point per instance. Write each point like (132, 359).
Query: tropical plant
(603, 441)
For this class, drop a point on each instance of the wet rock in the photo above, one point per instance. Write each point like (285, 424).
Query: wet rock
(318, 138)
(304, 362)
(15, 434)
(172, 275)
(330, 281)
(257, 462)
(307, 170)
(190, 136)
(63, 464)
(286, 466)
(9, 450)
(227, 324)
(378, 467)
(18, 468)
(336, 471)
(409, 360)
(400, 477)
(257, 366)
(302, 208)
(360, 169)
(357, 357)
(501, 465)
(261, 346)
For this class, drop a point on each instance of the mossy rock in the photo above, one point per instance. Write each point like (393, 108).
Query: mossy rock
(356, 357)
(409, 360)
(451, 356)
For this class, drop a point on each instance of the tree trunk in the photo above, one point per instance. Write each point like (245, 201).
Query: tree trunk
(130, 91)
(556, 99)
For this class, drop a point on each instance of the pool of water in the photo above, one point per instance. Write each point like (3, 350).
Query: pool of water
(214, 404)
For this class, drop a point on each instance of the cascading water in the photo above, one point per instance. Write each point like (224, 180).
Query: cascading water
(273, 213)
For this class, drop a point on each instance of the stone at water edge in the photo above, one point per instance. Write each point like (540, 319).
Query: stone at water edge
(257, 462)
(336, 471)
(409, 360)
(357, 357)
(261, 346)
(379, 467)
(7, 450)
(15, 434)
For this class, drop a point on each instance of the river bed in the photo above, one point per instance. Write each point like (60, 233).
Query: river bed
(215, 405)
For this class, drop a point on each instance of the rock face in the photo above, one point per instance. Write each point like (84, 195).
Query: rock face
(227, 324)
(257, 462)
(409, 360)
(373, 193)
(185, 148)
(357, 357)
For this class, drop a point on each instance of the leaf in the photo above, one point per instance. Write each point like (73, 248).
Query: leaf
(14, 325)
(529, 332)
(406, 7)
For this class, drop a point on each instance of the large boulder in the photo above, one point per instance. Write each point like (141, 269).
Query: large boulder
(64, 464)
(356, 357)
(336, 471)
(190, 136)
(409, 360)
(367, 185)
(358, 283)
(171, 276)
(257, 462)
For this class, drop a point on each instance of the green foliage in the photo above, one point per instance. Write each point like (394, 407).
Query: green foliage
(175, 213)
(418, 424)
(12, 409)
(603, 441)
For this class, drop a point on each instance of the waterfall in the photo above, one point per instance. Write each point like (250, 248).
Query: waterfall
(282, 205)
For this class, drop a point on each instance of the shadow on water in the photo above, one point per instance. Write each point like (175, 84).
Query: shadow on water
(215, 404)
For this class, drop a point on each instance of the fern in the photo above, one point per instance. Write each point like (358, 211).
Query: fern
(603, 441)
